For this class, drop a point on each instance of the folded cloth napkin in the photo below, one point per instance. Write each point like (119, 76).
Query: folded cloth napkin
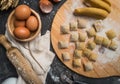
(37, 52)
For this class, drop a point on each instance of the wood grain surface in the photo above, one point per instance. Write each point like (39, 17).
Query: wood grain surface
(108, 63)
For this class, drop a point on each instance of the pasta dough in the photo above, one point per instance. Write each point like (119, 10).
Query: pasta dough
(82, 36)
(63, 44)
(98, 40)
(91, 45)
(87, 52)
(76, 62)
(106, 42)
(91, 32)
(113, 45)
(98, 25)
(66, 56)
(82, 23)
(80, 45)
(73, 26)
(65, 29)
(74, 37)
(111, 34)
(93, 56)
(77, 53)
(88, 66)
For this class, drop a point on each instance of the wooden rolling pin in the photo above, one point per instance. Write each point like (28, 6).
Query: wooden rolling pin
(22, 66)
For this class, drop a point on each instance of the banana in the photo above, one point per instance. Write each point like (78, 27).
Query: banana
(99, 4)
(107, 1)
(91, 12)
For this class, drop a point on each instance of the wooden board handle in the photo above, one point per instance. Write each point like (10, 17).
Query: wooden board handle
(21, 64)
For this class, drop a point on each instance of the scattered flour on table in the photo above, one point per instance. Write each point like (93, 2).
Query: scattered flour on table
(25, 2)
(69, 13)
(118, 79)
(108, 54)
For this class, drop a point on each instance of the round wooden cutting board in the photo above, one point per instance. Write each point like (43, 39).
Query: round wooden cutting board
(108, 63)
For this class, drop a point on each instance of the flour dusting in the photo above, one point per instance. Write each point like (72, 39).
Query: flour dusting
(69, 13)
(108, 56)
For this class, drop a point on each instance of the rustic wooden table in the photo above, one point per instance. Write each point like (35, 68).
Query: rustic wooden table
(57, 68)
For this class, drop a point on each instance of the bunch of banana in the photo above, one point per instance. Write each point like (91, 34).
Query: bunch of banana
(97, 9)
(5, 4)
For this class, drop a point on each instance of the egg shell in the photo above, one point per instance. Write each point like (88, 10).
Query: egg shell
(19, 23)
(22, 12)
(32, 23)
(56, 0)
(21, 32)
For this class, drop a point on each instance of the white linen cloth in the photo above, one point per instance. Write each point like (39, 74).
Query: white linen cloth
(37, 52)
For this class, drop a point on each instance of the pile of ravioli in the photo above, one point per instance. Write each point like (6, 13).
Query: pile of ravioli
(85, 41)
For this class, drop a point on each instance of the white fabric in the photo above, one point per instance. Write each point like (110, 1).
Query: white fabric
(37, 53)
(11, 80)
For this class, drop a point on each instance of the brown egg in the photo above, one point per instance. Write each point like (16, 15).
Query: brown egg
(21, 32)
(22, 12)
(19, 23)
(32, 23)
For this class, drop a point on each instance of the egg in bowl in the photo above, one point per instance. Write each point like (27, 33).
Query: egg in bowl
(25, 29)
